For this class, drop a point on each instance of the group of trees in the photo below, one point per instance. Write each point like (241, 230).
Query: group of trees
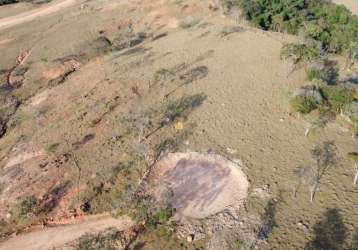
(333, 26)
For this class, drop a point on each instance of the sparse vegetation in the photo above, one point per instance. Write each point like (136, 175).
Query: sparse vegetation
(51, 148)
(304, 104)
(352, 54)
(145, 210)
(182, 107)
(163, 75)
(330, 100)
(350, 111)
(112, 189)
(109, 239)
(337, 96)
(188, 22)
(130, 116)
(299, 53)
(323, 72)
(26, 210)
(242, 245)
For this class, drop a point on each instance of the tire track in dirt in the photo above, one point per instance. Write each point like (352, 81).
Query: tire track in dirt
(54, 237)
(33, 14)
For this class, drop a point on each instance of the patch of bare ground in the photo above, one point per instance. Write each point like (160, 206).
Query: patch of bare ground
(201, 185)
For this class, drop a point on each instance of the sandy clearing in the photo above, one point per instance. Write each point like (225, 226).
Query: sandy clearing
(202, 184)
(5, 41)
(53, 237)
(350, 4)
(20, 158)
(39, 98)
(31, 15)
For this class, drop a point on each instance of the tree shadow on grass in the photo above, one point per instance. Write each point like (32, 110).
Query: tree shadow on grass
(330, 233)
(269, 218)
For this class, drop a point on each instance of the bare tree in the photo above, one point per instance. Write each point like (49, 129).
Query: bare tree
(354, 158)
(325, 156)
(308, 177)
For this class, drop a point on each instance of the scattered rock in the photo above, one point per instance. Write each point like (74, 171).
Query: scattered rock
(231, 151)
(188, 22)
(302, 225)
(262, 192)
(190, 238)
(310, 91)
(128, 41)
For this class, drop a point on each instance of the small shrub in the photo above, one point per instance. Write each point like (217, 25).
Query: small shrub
(352, 53)
(337, 96)
(163, 232)
(26, 208)
(355, 95)
(300, 52)
(161, 216)
(112, 189)
(243, 245)
(188, 22)
(107, 240)
(181, 107)
(51, 148)
(325, 156)
(163, 75)
(313, 74)
(303, 104)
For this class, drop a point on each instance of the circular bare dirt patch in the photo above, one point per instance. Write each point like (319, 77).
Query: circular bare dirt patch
(201, 184)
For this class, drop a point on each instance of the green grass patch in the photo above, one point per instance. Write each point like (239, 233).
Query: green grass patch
(303, 104)
(163, 75)
(51, 148)
(177, 108)
(337, 96)
(109, 239)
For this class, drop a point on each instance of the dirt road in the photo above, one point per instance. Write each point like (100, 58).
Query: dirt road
(31, 15)
(58, 236)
